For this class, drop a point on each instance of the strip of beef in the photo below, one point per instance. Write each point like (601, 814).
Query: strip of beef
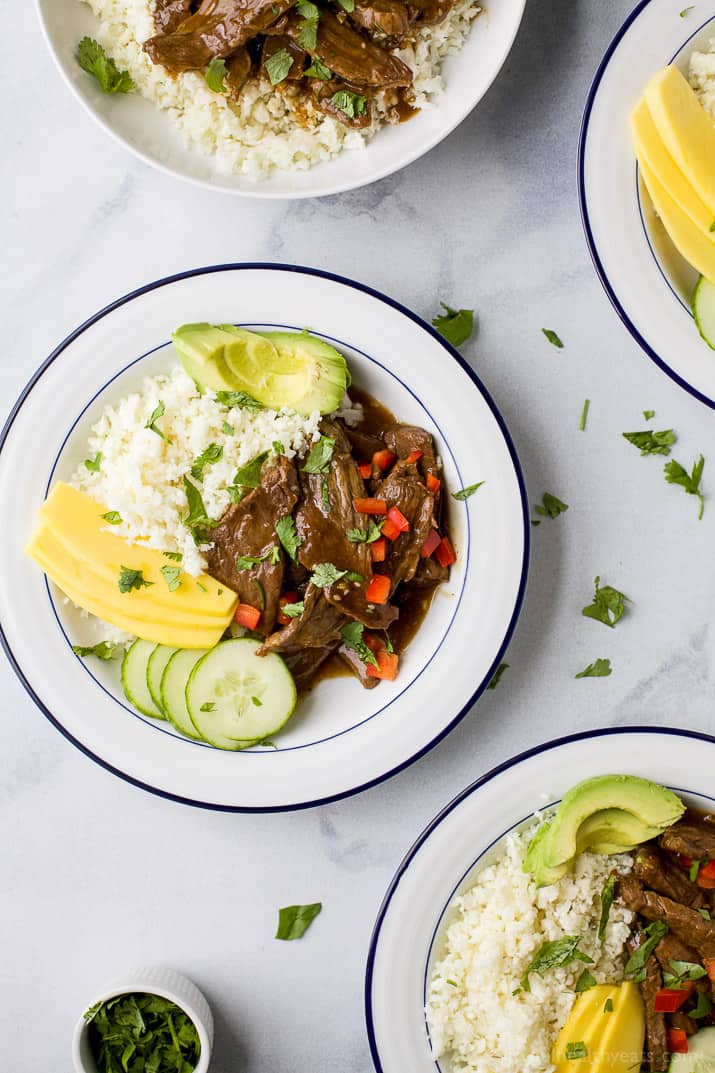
(683, 1022)
(238, 70)
(690, 839)
(168, 14)
(304, 664)
(430, 573)
(364, 444)
(686, 924)
(389, 17)
(656, 1037)
(317, 627)
(349, 597)
(404, 488)
(670, 948)
(356, 665)
(248, 529)
(403, 440)
(430, 12)
(662, 875)
(357, 60)
(218, 28)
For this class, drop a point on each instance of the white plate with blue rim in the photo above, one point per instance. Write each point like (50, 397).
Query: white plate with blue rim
(342, 738)
(646, 279)
(149, 133)
(408, 938)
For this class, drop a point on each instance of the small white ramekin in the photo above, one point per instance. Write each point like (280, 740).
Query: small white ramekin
(153, 981)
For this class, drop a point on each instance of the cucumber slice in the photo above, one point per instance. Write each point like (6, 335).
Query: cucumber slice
(134, 678)
(154, 671)
(236, 698)
(700, 1057)
(704, 310)
(173, 688)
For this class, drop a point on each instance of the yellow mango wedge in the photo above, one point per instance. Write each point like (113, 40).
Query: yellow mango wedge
(605, 1032)
(689, 240)
(652, 154)
(686, 130)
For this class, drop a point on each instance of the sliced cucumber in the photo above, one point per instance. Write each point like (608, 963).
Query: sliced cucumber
(704, 310)
(236, 698)
(134, 678)
(154, 671)
(700, 1057)
(173, 688)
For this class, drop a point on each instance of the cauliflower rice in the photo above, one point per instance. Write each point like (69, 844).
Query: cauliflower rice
(141, 474)
(472, 1011)
(260, 132)
(702, 76)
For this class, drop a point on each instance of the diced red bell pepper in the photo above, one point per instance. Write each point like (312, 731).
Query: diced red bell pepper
(445, 554)
(390, 530)
(431, 544)
(247, 616)
(378, 550)
(398, 519)
(384, 459)
(706, 876)
(433, 484)
(677, 1041)
(286, 598)
(415, 456)
(378, 591)
(387, 665)
(365, 470)
(670, 999)
(370, 506)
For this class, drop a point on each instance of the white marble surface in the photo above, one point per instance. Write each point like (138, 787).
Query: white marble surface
(97, 875)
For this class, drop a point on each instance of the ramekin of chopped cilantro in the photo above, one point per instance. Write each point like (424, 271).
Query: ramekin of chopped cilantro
(154, 1021)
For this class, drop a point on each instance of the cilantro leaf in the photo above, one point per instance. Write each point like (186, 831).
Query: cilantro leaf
(552, 506)
(215, 74)
(142, 1032)
(112, 517)
(240, 400)
(553, 338)
(683, 972)
(585, 982)
(653, 933)
(497, 676)
(352, 636)
(608, 1006)
(465, 493)
(175, 556)
(288, 536)
(576, 1050)
(648, 414)
(93, 59)
(325, 574)
(552, 954)
(172, 577)
(157, 413)
(365, 536)
(94, 464)
(318, 69)
(349, 103)
(607, 894)
(676, 474)
(454, 325)
(608, 604)
(245, 562)
(213, 453)
(278, 65)
(248, 476)
(584, 415)
(308, 26)
(132, 579)
(104, 650)
(601, 668)
(294, 920)
(320, 455)
(293, 610)
(228, 430)
(197, 520)
(652, 443)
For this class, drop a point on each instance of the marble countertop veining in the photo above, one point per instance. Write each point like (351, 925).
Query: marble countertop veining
(97, 875)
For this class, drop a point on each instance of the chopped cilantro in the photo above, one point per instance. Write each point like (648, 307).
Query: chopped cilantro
(294, 920)
(197, 520)
(94, 60)
(465, 493)
(553, 338)
(112, 517)
(552, 954)
(584, 415)
(318, 69)
(608, 604)
(551, 507)
(213, 453)
(172, 577)
(288, 536)
(308, 26)
(676, 474)
(601, 668)
(652, 443)
(454, 325)
(132, 579)
(278, 65)
(157, 413)
(576, 1050)
(293, 610)
(320, 455)
(349, 103)
(103, 650)
(240, 400)
(649, 414)
(497, 676)
(215, 74)
(94, 464)
(352, 636)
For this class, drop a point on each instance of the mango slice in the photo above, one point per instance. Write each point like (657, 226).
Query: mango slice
(695, 246)
(604, 1033)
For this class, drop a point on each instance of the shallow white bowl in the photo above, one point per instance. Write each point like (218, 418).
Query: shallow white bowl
(647, 281)
(168, 984)
(445, 859)
(148, 133)
(342, 737)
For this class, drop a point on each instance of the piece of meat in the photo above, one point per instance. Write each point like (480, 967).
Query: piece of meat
(670, 948)
(357, 60)
(389, 17)
(403, 488)
(657, 1054)
(659, 873)
(683, 1022)
(430, 573)
(217, 29)
(324, 93)
(404, 439)
(274, 44)
(238, 71)
(356, 665)
(686, 924)
(168, 14)
(364, 444)
(349, 597)
(248, 529)
(694, 840)
(430, 12)
(318, 627)
(304, 664)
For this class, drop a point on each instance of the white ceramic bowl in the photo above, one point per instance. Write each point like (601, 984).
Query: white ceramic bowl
(148, 133)
(168, 984)
(445, 859)
(648, 282)
(342, 738)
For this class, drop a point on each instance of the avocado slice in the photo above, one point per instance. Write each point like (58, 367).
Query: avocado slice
(613, 827)
(534, 859)
(291, 369)
(653, 806)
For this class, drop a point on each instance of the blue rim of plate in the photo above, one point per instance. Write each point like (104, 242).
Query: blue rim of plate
(450, 350)
(442, 815)
(585, 220)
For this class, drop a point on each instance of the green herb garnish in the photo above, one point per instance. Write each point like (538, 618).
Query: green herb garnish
(607, 894)
(365, 536)
(215, 74)
(172, 577)
(686, 11)
(352, 636)
(551, 507)
(649, 415)
(454, 325)
(600, 668)
(293, 610)
(325, 492)
(197, 520)
(326, 574)
(249, 476)
(245, 562)
(635, 966)
(608, 604)
(261, 594)
(694, 869)
(497, 676)
(228, 430)
(278, 65)
(349, 103)
(209, 706)
(553, 338)
(683, 972)
(294, 920)
(347, 5)
(142, 1032)
(465, 493)
(156, 414)
(705, 914)
(213, 453)
(308, 26)
(608, 1006)
(175, 556)
(576, 1050)
(676, 474)
(318, 69)
(652, 443)
(320, 455)
(552, 954)
(94, 464)
(703, 1007)
(584, 415)
(240, 400)
(112, 517)
(103, 650)
(94, 60)
(585, 982)
(288, 536)
(132, 579)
